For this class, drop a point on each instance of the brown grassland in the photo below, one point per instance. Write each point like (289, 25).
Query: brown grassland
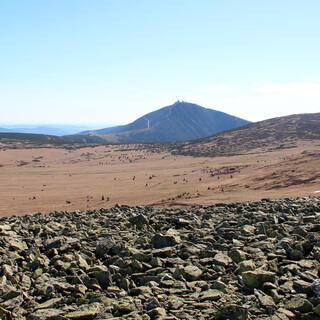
(55, 179)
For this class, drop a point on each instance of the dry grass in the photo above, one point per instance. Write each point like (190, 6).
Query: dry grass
(49, 179)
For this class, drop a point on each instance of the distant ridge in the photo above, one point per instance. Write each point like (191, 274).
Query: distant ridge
(267, 135)
(5, 130)
(178, 122)
(46, 129)
(42, 139)
(271, 134)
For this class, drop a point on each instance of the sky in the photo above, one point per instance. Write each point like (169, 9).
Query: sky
(111, 61)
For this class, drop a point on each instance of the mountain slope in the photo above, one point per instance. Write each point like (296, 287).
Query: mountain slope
(5, 130)
(47, 129)
(276, 133)
(42, 139)
(179, 122)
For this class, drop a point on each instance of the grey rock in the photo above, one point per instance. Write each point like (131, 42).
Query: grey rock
(298, 304)
(190, 273)
(215, 262)
(256, 278)
(157, 313)
(232, 311)
(159, 241)
(139, 220)
(222, 259)
(315, 287)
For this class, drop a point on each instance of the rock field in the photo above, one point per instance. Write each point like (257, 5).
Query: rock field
(257, 260)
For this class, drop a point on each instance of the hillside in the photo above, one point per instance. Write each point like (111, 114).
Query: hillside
(267, 135)
(12, 139)
(178, 122)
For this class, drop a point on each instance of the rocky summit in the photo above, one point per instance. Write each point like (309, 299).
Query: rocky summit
(257, 260)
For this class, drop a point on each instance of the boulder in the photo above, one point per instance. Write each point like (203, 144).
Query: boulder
(256, 279)
(159, 241)
(232, 311)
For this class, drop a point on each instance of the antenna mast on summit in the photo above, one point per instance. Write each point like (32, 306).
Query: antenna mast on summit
(148, 122)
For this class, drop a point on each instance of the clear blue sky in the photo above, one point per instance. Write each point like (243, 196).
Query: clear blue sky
(93, 61)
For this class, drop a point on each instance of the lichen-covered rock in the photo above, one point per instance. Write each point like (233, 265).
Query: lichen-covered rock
(256, 279)
(315, 287)
(45, 314)
(159, 241)
(247, 265)
(222, 259)
(226, 261)
(237, 255)
(298, 304)
(189, 273)
(211, 295)
(139, 220)
(231, 311)
(156, 313)
(316, 310)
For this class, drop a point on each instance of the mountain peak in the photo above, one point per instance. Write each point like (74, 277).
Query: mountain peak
(178, 102)
(178, 122)
(184, 106)
(183, 103)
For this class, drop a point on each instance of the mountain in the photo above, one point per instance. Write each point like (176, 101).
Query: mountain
(5, 130)
(42, 139)
(267, 135)
(178, 122)
(48, 129)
